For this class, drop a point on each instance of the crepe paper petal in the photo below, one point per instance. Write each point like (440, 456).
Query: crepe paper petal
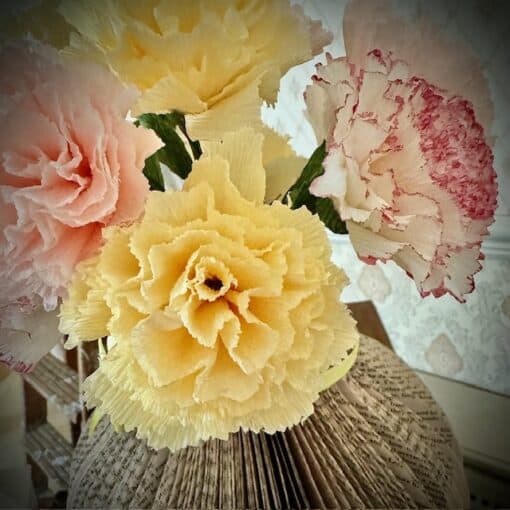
(90, 321)
(243, 151)
(160, 334)
(225, 311)
(234, 112)
(281, 163)
(169, 94)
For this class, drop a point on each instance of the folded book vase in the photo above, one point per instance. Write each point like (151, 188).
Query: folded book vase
(377, 439)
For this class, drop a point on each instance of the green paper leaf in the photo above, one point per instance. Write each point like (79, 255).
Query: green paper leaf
(152, 170)
(174, 153)
(194, 144)
(329, 216)
(299, 194)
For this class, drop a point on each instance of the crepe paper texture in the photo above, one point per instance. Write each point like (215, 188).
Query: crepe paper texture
(282, 165)
(70, 164)
(409, 166)
(224, 311)
(215, 61)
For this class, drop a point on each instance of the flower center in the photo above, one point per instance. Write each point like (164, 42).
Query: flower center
(212, 279)
(213, 283)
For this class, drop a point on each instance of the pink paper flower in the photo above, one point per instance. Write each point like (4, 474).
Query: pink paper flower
(408, 167)
(70, 164)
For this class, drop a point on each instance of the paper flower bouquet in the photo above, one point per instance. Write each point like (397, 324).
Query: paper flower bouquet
(144, 200)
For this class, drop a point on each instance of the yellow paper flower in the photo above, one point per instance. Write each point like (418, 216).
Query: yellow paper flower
(224, 311)
(283, 166)
(215, 61)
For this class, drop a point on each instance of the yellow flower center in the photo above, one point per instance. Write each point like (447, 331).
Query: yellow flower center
(212, 279)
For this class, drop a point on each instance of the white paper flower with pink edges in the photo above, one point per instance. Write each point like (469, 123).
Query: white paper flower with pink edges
(409, 167)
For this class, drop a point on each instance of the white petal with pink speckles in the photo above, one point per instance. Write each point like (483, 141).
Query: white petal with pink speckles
(408, 168)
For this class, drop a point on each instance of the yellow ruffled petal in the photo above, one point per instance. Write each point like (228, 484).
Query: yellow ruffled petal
(310, 227)
(204, 319)
(281, 163)
(159, 334)
(219, 380)
(84, 315)
(256, 344)
(177, 209)
(215, 171)
(118, 271)
(124, 317)
(232, 113)
(243, 151)
(166, 95)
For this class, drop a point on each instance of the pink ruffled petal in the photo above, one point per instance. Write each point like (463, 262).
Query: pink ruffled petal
(71, 163)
